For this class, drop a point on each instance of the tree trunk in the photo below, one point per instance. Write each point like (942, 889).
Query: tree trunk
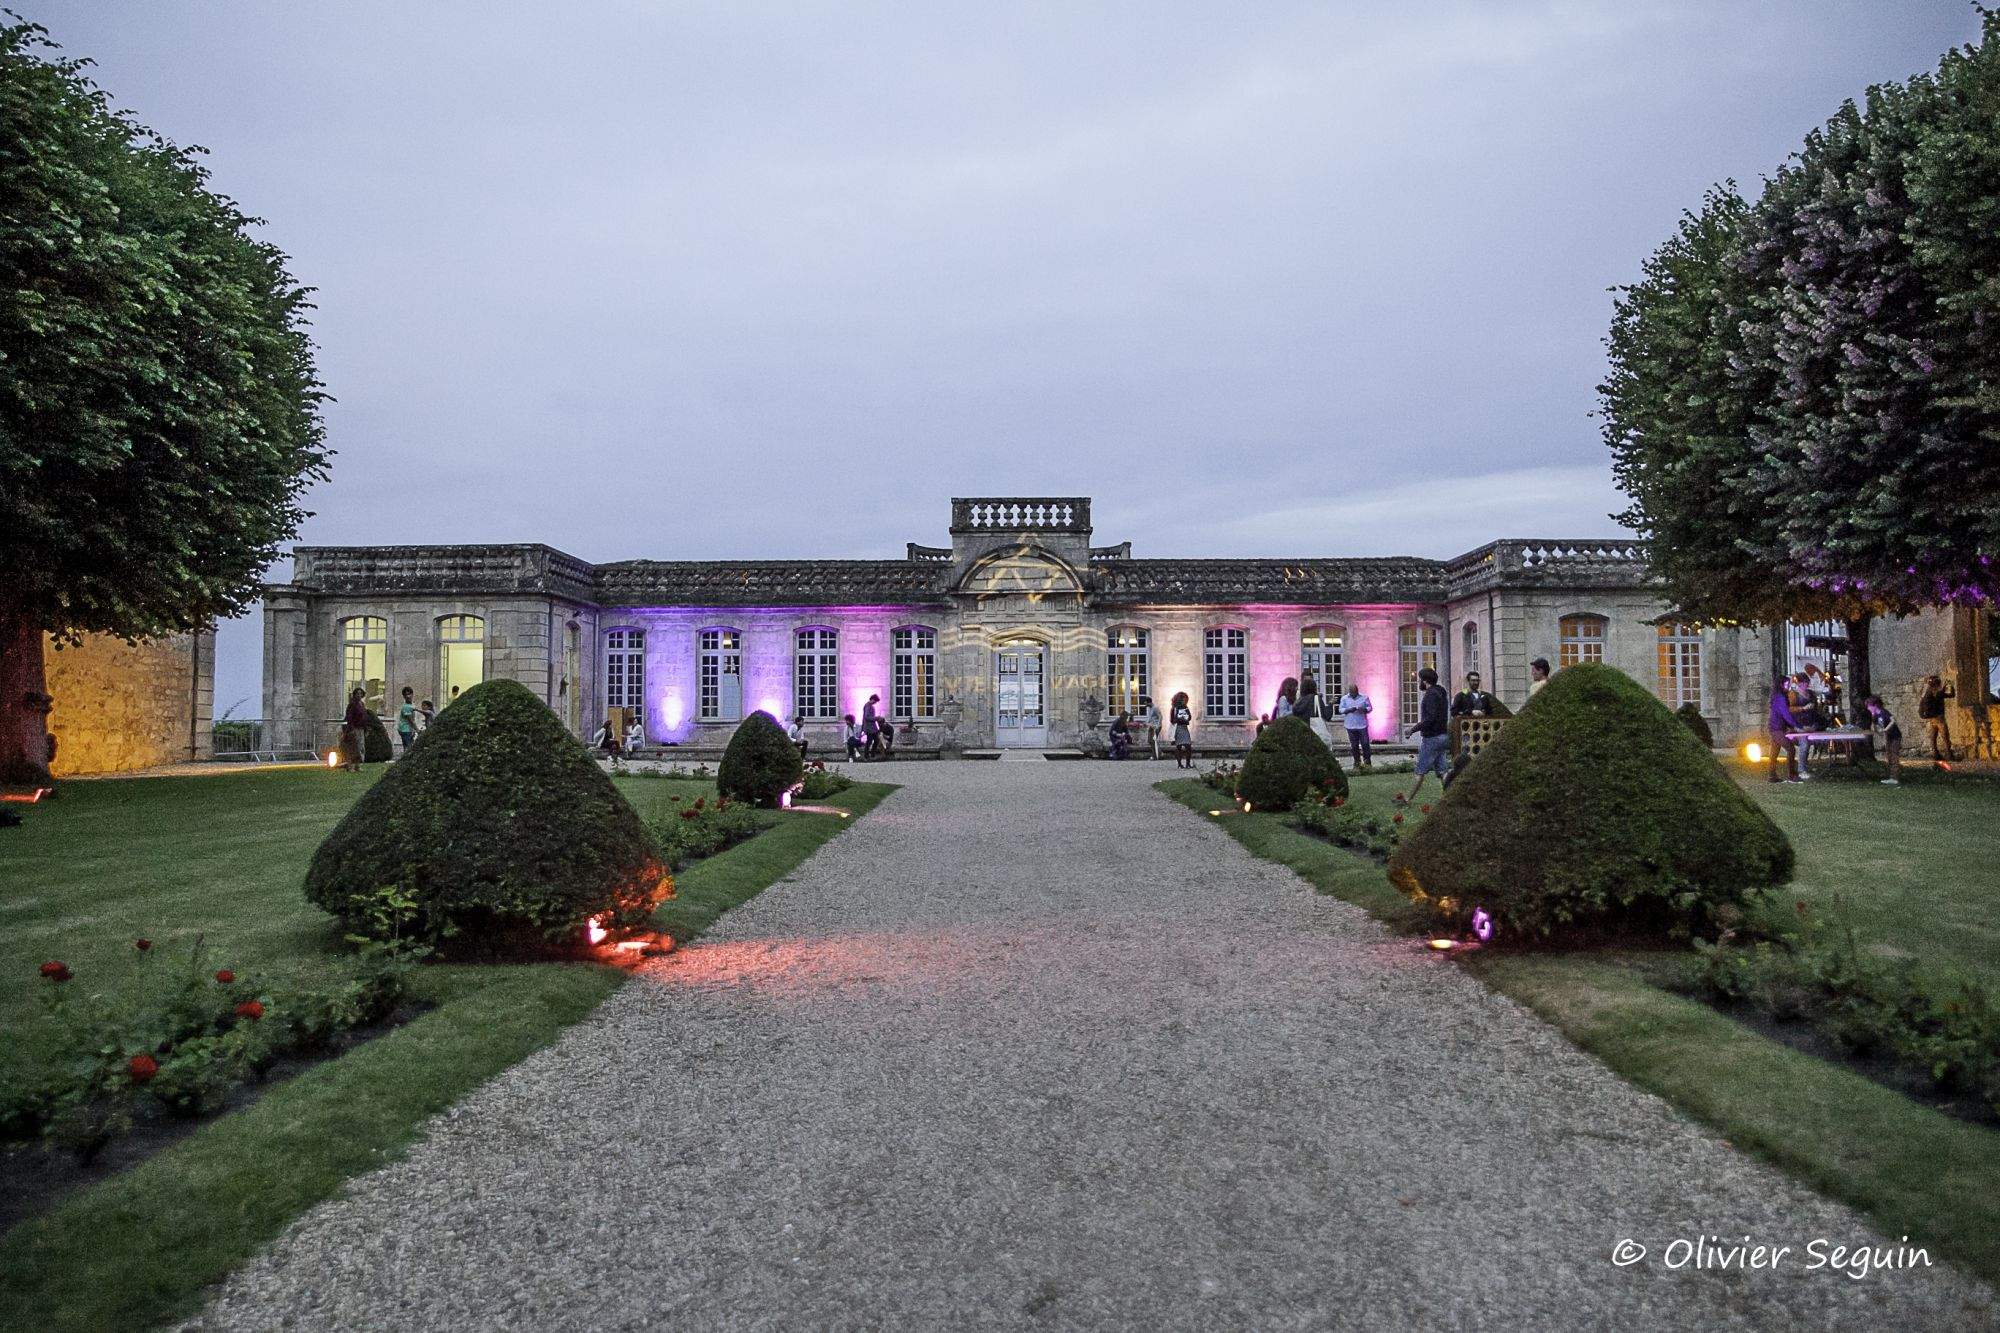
(24, 703)
(1858, 685)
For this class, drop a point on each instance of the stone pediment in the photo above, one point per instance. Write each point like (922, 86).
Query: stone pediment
(1020, 572)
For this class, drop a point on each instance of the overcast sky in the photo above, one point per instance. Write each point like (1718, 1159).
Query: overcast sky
(739, 280)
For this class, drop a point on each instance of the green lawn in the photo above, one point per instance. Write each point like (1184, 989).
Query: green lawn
(1910, 868)
(223, 857)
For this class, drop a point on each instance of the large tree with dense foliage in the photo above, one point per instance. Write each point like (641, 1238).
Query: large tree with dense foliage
(159, 410)
(1804, 398)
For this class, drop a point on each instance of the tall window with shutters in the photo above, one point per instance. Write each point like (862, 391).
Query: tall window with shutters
(1416, 648)
(625, 672)
(1225, 674)
(816, 675)
(913, 674)
(1680, 663)
(1128, 669)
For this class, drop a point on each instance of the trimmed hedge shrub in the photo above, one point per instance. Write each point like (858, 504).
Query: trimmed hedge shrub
(375, 747)
(1696, 723)
(500, 830)
(1287, 761)
(1596, 808)
(761, 763)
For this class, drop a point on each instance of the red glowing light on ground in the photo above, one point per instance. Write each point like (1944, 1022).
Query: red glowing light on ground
(28, 798)
(594, 930)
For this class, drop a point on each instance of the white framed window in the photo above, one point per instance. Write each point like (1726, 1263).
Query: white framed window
(719, 676)
(625, 671)
(816, 675)
(913, 674)
(1582, 640)
(1680, 663)
(1323, 651)
(461, 656)
(1128, 669)
(1470, 662)
(1416, 648)
(364, 661)
(1225, 673)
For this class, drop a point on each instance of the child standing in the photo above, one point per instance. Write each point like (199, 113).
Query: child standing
(1891, 736)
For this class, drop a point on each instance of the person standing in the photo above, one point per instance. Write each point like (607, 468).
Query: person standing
(871, 727)
(352, 727)
(1538, 675)
(1891, 736)
(426, 715)
(1472, 701)
(1354, 710)
(1153, 722)
(1780, 724)
(1182, 718)
(1433, 729)
(1288, 698)
(1313, 708)
(406, 719)
(1930, 708)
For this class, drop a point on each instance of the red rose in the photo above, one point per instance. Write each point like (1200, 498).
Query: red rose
(1340, 800)
(690, 814)
(250, 1009)
(142, 945)
(55, 971)
(1425, 808)
(142, 1067)
(225, 976)
(700, 801)
(1399, 819)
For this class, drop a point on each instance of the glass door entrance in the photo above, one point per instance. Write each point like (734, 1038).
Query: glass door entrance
(1018, 696)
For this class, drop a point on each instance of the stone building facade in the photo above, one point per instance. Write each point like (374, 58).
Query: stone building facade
(1020, 632)
(122, 706)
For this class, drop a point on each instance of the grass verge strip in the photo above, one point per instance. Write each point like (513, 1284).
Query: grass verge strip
(1912, 1170)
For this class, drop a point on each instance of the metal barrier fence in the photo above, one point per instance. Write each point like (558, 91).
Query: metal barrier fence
(264, 740)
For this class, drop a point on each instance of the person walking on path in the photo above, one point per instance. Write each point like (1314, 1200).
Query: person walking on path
(1182, 718)
(1354, 710)
(406, 719)
(1884, 723)
(352, 727)
(1288, 699)
(1930, 708)
(1538, 675)
(870, 726)
(1433, 726)
(1780, 724)
(1153, 722)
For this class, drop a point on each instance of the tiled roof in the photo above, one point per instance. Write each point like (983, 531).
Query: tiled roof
(769, 582)
(1394, 579)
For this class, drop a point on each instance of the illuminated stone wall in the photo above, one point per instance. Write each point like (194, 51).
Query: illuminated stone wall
(120, 707)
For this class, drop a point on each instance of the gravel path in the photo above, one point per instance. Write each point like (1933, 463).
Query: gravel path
(1030, 1046)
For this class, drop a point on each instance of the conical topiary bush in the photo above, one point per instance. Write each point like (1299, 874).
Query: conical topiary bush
(1285, 762)
(760, 763)
(500, 827)
(1596, 808)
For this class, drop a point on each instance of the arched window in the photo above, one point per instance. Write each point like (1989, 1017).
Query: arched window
(913, 674)
(625, 672)
(719, 676)
(816, 675)
(1128, 669)
(1225, 673)
(1470, 662)
(1680, 663)
(1582, 640)
(364, 661)
(461, 656)
(1417, 648)
(1323, 651)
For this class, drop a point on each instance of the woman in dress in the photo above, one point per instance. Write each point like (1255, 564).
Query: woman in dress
(1311, 708)
(1182, 719)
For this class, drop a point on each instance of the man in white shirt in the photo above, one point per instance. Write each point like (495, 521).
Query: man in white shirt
(1354, 710)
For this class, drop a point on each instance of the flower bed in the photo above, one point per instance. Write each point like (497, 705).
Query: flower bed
(1867, 1008)
(688, 832)
(176, 1038)
(1344, 825)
